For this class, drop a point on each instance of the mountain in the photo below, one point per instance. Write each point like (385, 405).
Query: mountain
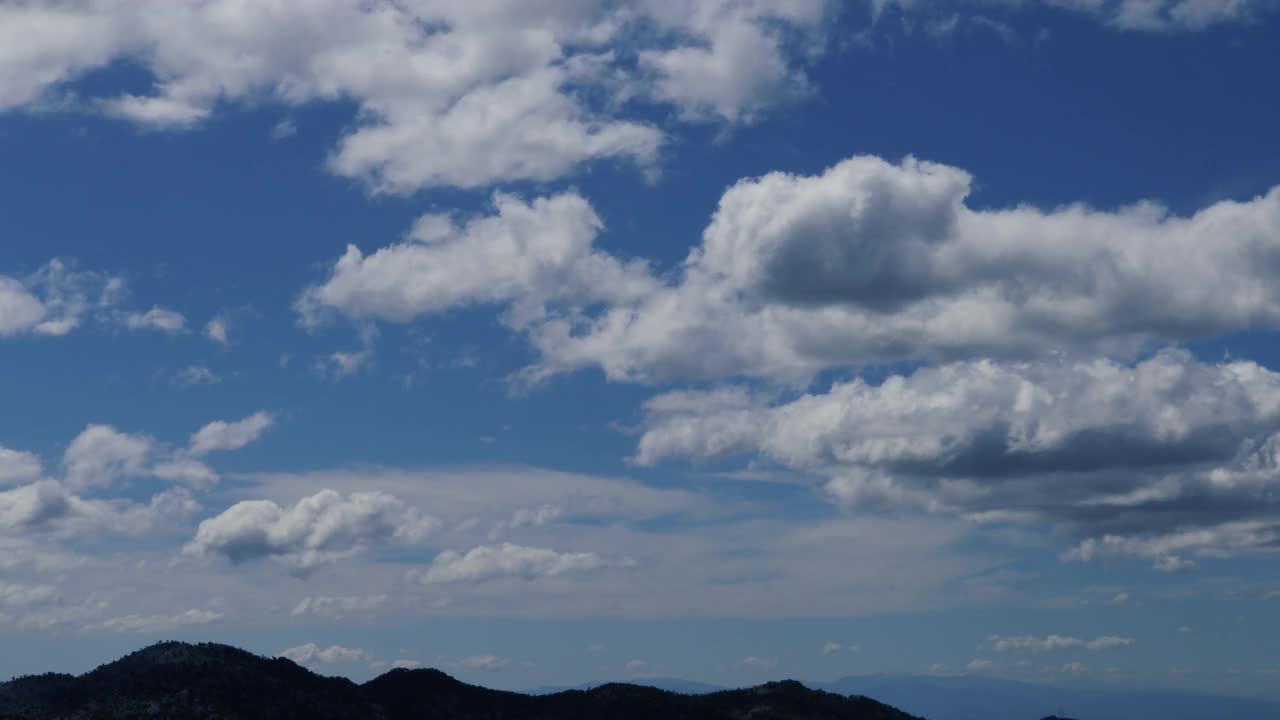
(979, 698)
(676, 685)
(217, 682)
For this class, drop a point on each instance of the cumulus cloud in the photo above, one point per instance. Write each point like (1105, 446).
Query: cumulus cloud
(867, 262)
(55, 299)
(222, 435)
(17, 466)
(46, 508)
(1167, 457)
(317, 529)
(978, 664)
(1004, 643)
(100, 455)
(448, 93)
(492, 562)
(526, 255)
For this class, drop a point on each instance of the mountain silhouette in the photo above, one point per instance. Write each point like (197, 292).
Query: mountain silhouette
(218, 682)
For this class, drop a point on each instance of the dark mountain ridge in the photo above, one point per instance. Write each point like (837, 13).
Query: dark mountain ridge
(209, 681)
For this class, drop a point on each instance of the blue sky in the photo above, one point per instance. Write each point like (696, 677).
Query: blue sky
(554, 342)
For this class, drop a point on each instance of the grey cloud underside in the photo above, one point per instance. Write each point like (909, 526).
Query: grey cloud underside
(1166, 457)
(869, 262)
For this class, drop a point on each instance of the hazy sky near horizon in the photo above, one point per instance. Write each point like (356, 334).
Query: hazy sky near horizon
(564, 340)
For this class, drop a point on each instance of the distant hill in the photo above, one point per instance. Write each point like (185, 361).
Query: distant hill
(981, 698)
(218, 682)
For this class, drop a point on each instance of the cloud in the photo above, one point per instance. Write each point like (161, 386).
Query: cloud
(338, 607)
(311, 654)
(526, 254)
(17, 466)
(874, 262)
(835, 648)
(157, 318)
(16, 595)
(218, 330)
(447, 93)
(868, 262)
(492, 562)
(46, 508)
(1154, 16)
(1004, 643)
(978, 664)
(756, 664)
(55, 299)
(488, 663)
(741, 68)
(1075, 667)
(154, 623)
(100, 455)
(1168, 456)
(316, 530)
(222, 435)
(198, 375)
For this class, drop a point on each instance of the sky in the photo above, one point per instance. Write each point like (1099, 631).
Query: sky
(556, 341)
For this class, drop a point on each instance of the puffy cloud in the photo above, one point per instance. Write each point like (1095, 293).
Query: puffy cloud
(154, 623)
(14, 595)
(873, 262)
(868, 262)
(16, 466)
(978, 664)
(317, 529)
(337, 607)
(742, 65)
(526, 255)
(1167, 457)
(198, 375)
(449, 93)
(310, 654)
(492, 562)
(54, 299)
(1004, 643)
(222, 435)
(157, 318)
(47, 507)
(100, 455)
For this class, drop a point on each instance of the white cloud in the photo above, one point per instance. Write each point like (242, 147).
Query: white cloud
(218, 330)
(488, 663)
(1161, 16)
(338, 607)
(978, 664)
(754, 663)
(405, 664)
(15, 595)
(867, 262)
(526, 255)
(835, 648)
(222, 435)
(55, 299)
(154, 623)
(1085, 445)
(491, 562)
(198, 375)
(317, 529)
(100, 455)
(157, 318)
(448, 93)
(311, 654)
(1004, 643)
(17, 466)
